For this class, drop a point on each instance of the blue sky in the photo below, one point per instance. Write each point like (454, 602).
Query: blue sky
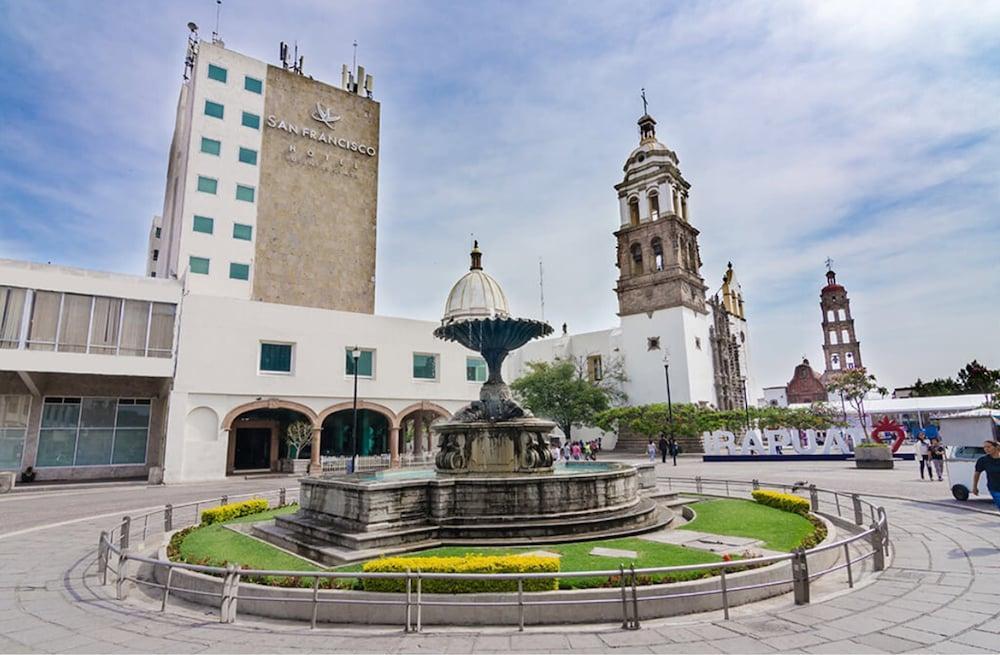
(865, 132)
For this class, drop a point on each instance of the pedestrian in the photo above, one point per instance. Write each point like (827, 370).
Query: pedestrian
(924, 455)
(586, 450)
(664, 446)
(936, 453)
(565, 451)
(989, 464)
(651, 450)
(675, 449)
(575, 450)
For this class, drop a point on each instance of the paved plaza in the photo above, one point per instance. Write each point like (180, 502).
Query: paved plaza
(938, 595)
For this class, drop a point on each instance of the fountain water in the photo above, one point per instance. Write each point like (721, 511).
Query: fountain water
(494, 480)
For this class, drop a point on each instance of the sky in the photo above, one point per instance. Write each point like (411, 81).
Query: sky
(864, 132)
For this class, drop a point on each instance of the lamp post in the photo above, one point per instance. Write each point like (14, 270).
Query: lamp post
(670, 406)
(355, 355)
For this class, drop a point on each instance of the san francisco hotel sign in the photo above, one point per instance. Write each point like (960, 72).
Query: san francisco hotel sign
(325, 116)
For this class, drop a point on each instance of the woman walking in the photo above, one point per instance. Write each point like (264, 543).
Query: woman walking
(923, 454)
(936, 453)
(651, 450)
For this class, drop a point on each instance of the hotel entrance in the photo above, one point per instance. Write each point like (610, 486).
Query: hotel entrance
(253, 449)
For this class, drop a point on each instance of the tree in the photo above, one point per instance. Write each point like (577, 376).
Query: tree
(557, 391)
(297, 435)
(855, 384)
(972, 378)
(652, 420)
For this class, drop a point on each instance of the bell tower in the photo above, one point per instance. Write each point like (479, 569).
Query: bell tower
(665, 318)
(659, 264)
(841, 348)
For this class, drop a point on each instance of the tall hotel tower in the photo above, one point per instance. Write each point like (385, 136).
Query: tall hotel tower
(272, 184)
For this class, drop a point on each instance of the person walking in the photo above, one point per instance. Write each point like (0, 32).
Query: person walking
(936, 454)
(586, 451)
(576, 450)
(675, 449)
(924, 455)
(664, 446)
(990, 465)
(651, 450)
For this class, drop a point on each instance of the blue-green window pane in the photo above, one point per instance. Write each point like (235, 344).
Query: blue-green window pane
(204, 224)
(253, 85)
(241, 231)
(364, 362)
(425, 367)
(56, 447)
(244, 193)
(276, 357)
(94, 447)
(198, 265)
(130, 446)
(11, 448)
(475, 369)
(211, 146)
(207, 184)
(217, 73)
(248, 156)
(214, 109)
(133, 414)
(239, 271)
(250, 120)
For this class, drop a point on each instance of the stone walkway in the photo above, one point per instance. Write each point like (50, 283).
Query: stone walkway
(939, 595)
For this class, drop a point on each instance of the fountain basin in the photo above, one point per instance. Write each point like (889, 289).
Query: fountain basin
(353, 517)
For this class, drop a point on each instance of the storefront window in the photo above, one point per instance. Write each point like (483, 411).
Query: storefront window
(93, 431)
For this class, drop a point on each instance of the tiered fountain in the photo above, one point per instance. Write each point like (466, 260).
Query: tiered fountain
(494, 481)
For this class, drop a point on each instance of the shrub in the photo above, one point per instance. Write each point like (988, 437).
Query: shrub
(870, 444)
(818, 534)
(233, 511)
(463, 564)
(778, 500)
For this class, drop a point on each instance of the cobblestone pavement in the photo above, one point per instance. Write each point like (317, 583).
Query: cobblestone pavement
(939, 594)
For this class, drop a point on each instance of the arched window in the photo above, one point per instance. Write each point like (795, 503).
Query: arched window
(835, 362)
(849, 358)
(833, 336)
(830, 316)
(633, 210)
(636, 250)
(842, 314)
(654, 205)
(844, 337)
(657, 246)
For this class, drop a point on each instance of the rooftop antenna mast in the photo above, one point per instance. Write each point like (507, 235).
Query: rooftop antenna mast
(541, 287)
(354, 64)
(218, 16)
(192, 50)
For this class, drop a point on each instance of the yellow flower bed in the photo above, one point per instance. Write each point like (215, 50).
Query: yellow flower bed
(786, 502)
(233, 511)
(464, 564)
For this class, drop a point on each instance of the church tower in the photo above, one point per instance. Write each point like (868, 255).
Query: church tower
(841, 348)
(661, 293)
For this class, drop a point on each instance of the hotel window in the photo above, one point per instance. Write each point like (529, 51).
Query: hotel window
(275, 357)
(475, 369)
(93, 431)
(424, 366)
(239, 271)
(251, 120)
(248, 156)
(207, 184)
(253, 85)
(11, 313)
(156, 233)
(241, 231)
(156, 255)
(217, 73)
(198, 265)
(74, 323)
(211, 146)
(244, 193)
(13, 426)
(104, 324)
(161, 330)
(595, 368)
(204, 224)
(366, 363)
(44, 320)
(214, 109)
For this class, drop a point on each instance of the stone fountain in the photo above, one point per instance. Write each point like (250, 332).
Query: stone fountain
(494, 482)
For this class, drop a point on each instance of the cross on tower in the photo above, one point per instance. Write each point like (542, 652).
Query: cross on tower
(829, 264)
(644, 108)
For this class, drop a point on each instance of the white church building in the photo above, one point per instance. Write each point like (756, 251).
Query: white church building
(195, 370)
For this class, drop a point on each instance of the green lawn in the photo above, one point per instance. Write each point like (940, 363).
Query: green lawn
(216, 544)
(779, 530)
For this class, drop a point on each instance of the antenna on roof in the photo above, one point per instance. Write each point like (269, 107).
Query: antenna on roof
(192, 50)
(218, 14)
(541, 287)
(296, 62)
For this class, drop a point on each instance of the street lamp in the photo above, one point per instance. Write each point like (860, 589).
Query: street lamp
(670, 406)
(355, 355)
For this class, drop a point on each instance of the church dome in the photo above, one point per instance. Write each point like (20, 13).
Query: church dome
(475, 296)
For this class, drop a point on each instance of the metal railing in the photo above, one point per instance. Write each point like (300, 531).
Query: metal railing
(114, 556)
(376, 462)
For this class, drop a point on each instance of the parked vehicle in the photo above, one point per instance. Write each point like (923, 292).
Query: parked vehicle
(964, 435)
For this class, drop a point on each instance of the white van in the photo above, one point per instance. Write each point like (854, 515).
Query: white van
(964, 435)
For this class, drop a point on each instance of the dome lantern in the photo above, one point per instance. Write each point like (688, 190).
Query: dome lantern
(476, 295)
